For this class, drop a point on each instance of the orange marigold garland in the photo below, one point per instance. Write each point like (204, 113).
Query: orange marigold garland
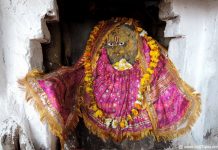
(87, 62)
(144, 82)
(146, 78)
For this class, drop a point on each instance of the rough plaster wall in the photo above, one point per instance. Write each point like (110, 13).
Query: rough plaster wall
(17, 139)
(192, 25)
(2, 76)
(22, 29)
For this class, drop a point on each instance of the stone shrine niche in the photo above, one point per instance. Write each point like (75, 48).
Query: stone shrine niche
(68, 40)
(69, 35)
(23, 29)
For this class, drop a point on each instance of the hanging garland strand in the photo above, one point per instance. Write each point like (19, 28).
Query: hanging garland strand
(144, 82)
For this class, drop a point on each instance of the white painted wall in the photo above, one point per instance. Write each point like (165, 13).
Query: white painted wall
(22, 29)
(192, 25)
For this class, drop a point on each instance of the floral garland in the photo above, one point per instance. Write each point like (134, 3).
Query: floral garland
(144, 82)
(87, 61)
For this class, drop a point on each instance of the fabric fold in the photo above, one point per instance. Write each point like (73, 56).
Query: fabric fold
(147, 98)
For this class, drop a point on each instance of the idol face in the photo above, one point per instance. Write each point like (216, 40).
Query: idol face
(122, 44)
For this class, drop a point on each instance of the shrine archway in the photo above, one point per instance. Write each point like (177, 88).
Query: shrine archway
(69, 36)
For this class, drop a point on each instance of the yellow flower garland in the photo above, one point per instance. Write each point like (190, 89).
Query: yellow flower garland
(144, 82)
(87, 62)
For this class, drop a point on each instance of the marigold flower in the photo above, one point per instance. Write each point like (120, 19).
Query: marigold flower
(154, 54)
(87, 54)
(89, 41)
(89, 84)
(98, 114)
(87, 65)
(148, 38)
(88, 89)
(143, 81)
(91, 37)
(153, 64)
(139, 29)
(129, 118)
(94, 107)
(151, 42)
(153, 47)
(123, 123)
(88, 71)
(154, 60)
(147, 76)
(87, 78)
(150, 71)
(138, 106)
(135, 112)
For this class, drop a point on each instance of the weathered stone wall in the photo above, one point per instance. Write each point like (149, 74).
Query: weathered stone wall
(22, 29)
(192, 25)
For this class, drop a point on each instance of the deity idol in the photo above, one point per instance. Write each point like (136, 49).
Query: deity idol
(124, 87)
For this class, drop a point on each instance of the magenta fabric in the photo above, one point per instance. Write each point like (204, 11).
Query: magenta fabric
(60, 87)
(115, 93)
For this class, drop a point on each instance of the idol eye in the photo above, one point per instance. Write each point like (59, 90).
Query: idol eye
(110, 44)
(121, 43)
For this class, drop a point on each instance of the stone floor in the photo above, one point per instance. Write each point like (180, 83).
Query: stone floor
(14, 138)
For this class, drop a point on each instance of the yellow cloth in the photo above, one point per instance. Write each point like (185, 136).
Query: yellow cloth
(122, 65)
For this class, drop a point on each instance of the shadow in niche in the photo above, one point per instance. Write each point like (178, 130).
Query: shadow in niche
(68, 40)
(69, 35)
